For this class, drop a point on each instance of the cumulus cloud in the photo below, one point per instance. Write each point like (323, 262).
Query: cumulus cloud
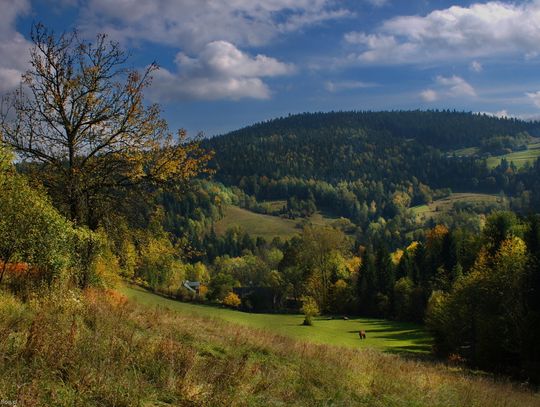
(448, 87)
(338, 86)
(534, 97)
(502, 114)
(482, 29)
(429, 95)
(220, 71)
(191, 24)
(14, 48)
(210, 35)
(456, 86)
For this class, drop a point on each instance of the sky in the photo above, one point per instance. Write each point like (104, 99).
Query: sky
(225, 64)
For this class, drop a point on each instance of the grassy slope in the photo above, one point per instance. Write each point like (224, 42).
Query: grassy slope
(443, 205)
(382, 335)
(265, 226)
(519, 158)
(98, 350)
(256, 224)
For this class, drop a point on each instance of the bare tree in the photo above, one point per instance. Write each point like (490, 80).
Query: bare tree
(79, 113)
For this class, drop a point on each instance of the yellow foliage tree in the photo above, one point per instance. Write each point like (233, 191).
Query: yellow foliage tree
(232, 300)
(80, 114)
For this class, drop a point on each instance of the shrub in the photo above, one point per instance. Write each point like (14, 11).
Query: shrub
(31, 232)
(309, 309)
(232, 300)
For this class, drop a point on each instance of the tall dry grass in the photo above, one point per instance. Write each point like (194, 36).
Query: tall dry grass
(96, 348)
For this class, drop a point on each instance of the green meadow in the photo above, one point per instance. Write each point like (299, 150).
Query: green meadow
(388, 336)
(256, 224)
(519, 158)
(266, 226)
(443, 205)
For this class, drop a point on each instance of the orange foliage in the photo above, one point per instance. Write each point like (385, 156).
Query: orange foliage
(15, 268)
(94, 296)
(436, 234)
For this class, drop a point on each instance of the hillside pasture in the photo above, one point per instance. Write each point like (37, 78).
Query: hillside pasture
(519, 158)
(267, 226)
(444, 205)
(388, 336)
(107, 351)
(256, 224)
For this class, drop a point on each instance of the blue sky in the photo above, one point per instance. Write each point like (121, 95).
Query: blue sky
(229, 63)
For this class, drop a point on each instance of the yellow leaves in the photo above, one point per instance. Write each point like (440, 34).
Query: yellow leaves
(511, 256)
(340, 285)
(412, 247)
(396, 256)
(401, 199)
(232, 300)
(309, 306)
(203, 290)
(512, 247)
(353, 264)
(436, 235)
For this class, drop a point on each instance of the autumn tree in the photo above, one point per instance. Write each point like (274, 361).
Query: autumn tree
(80, 119)
(26, 218)
(320, 256)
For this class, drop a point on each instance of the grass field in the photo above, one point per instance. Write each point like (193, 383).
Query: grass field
(519, 158)
(257, 224)
(96, 349)
(389, 336)
(425, 212)
(466, 152)
(265, 226)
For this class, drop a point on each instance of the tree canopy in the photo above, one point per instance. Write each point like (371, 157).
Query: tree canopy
(79, 117)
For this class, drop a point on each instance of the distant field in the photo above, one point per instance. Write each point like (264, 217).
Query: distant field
(276, 205)
(257, 224)
(466, 152)
(389, 336)
(425, 212)
(519, 158)
(266, 226)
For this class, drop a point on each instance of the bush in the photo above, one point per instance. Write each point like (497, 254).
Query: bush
(309, 309)
(232, 300)
(31, 232)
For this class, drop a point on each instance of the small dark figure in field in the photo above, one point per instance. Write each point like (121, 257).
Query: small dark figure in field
(362, 334)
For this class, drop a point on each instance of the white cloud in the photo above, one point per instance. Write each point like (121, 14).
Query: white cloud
(500, 114)
(429, 95)
(220, 71)
(191, 24)
(210, 34)
(535, 97)
(456, 86)
(14, 48)
(476, 66)
(482, 29)
(338, 86)
(448, 87)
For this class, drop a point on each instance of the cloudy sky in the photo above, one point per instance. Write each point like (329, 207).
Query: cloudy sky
(228, 63)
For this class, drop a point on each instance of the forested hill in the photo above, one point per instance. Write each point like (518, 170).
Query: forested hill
(443, 129)
(371, 146)
(368, 166)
